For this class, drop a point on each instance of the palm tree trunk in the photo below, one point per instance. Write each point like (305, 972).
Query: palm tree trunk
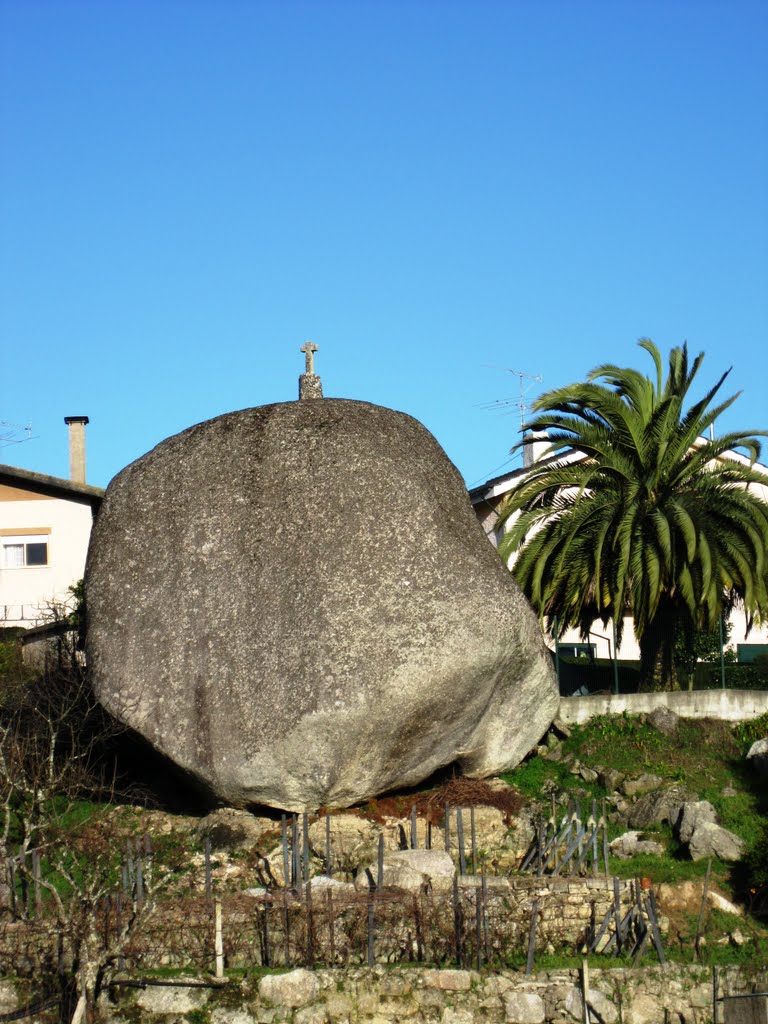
(657, 663)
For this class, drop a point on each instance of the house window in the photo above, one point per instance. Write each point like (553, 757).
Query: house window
(24, 552)
(578, 651)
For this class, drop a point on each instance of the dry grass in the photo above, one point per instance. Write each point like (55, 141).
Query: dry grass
(430, 804)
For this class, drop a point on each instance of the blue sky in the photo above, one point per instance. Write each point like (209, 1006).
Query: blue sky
(431, 191)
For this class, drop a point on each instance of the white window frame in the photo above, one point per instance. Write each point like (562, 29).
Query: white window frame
(21, 540)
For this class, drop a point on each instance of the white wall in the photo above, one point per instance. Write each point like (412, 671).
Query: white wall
(727, 705)
(27, 593)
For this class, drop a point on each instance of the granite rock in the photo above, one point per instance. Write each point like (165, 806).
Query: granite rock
(630, 844)
(695, 813)
(664, 721)
(296, 988)
(412, 870)
(296, 604)
(659, 806)
(711, 840)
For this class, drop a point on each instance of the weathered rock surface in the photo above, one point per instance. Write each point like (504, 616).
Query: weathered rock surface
(296, 604)
(644, 783)
(296, 988)
(411, 870)
(686, 896)
(176, 1000)
(354, 841)
(659, 806)
(664, 721)
(710, 840)
(604, 1007)
(524, 1008)
(231, 829)
(695, 814)
(630, 844)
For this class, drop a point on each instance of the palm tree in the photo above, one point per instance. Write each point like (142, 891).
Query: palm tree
(634, 512)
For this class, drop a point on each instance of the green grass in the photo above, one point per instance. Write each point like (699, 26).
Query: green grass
(707, 757)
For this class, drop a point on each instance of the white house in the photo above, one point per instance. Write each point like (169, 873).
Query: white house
(45, 525)
(487, 500)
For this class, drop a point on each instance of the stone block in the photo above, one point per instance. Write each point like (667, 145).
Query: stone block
(644, 1009)
(644, 783)
(172, 998)
(454, 1016)
(338, 1005)
(296, 988)
(398, 1009)
(311, 1015)
(710, 840)
(524, 1008)
(8, 997)
(448, 980)
(225, 1015)
(695, 813)
(412, 870)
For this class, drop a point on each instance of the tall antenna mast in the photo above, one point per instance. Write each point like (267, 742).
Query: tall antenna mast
(534, 379)
(520, 401)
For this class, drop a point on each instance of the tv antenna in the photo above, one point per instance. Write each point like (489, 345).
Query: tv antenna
(504, 403)
(13, 433)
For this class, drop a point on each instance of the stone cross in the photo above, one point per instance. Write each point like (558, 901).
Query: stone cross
(309, 348)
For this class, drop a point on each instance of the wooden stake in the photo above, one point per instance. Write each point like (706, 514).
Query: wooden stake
(702, 909)
(715, 995)
(208, 878)
(585, 989)
(218, 940)
(460, 841)
(655, 932)
(371, 933)
(295, 855)
(487, 943)
(532, 938)
(267, 942)
(457, 920)
(594, 837)
(473, 838)
(331, 928)
(305, 837)
(328, 864)
(286, 869)
(310, 927)
(479, 926)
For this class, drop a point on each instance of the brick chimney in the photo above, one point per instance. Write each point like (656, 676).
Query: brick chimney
(76, 426)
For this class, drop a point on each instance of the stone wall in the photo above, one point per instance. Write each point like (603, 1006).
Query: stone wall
(423, 996)
(728, 705)
(181, 933)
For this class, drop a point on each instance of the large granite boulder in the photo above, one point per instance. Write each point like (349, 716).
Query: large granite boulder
(296, 604)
